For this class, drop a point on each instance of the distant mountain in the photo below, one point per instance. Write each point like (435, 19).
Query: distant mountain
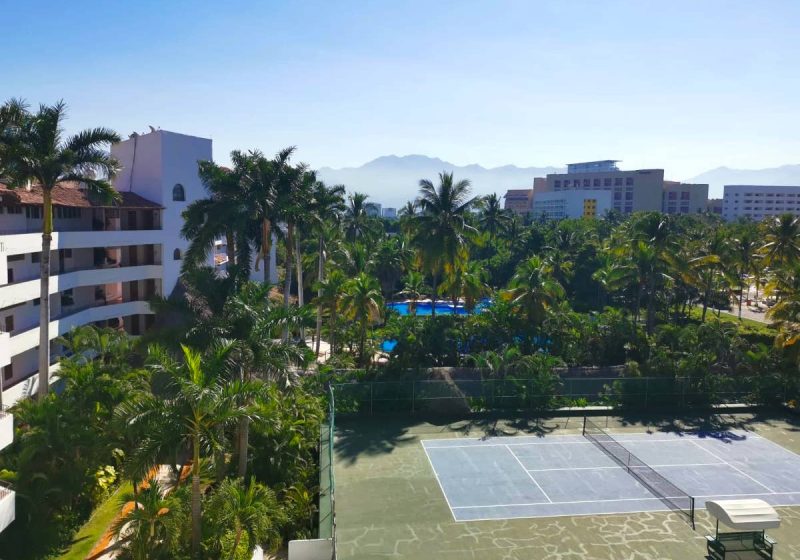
(393, 180)
(721, 176)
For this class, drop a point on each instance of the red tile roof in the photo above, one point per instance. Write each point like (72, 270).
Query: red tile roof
(70, 194)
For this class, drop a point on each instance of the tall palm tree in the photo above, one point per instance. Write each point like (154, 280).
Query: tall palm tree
(327, 209)
(493, 218)
(782, 241)
(226, 213)
(358, 224)
(473, 284)
(442, 233)
(534, 290)
(414, 289)
(362, 302)
(194, 403)
(744, 248)
(251, 510)
(710, 263)
(38, 151)
(329, 295)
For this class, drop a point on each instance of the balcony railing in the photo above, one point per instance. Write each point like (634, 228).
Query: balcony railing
(55, 271)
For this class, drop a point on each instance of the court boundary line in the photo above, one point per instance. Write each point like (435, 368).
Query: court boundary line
(623, 468)
(704, 496)
(538, 441)
(439, 482)
(539, 486)
(737, 469)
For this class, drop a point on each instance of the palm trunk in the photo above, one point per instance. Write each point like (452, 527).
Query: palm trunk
(230, 247)
(741, 294)
(287, 285)
(244, 445)
(333, 329)
(651, 305)
(298, 257)
(266, 248)
(196, 528)
(433, 298)
(236, 543)
(363, 350)
(320, 278)
(705, 300)
(44, 294)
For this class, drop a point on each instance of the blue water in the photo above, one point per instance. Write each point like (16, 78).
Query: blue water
(388, 345)
(425, 309)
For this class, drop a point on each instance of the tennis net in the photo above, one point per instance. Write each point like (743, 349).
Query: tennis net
(675, 498)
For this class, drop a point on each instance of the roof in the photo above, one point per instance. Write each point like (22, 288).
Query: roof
(746, 515)
(72, 195)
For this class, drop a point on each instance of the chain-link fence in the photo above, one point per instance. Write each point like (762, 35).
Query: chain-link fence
(550, 392)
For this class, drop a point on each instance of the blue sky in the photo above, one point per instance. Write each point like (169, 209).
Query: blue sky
(684, 85)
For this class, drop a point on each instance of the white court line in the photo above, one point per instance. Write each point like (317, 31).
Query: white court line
(481, 446)
(626, 500)
(624, 468)
(771, 491)
(439, 482)
(618, 436)
(530, 475)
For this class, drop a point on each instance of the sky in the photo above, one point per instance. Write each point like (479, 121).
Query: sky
(684, 85)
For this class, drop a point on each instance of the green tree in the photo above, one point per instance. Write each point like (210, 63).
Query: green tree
(782, 241)
(37, 151)
(329, 294)
(362, 302)
(414, 289)
(442, 233)
(534, 290)
(493, 218)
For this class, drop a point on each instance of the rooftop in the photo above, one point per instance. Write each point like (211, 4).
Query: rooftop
(71, 194)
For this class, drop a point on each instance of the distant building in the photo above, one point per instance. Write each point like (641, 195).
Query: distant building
(571, 204)
(373, 209)
(757, 202)
(389, 213)
(684, 198)
(519, 201)
(714, 206)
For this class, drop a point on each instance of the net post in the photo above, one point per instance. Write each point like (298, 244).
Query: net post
(691, 514)
(583, 432)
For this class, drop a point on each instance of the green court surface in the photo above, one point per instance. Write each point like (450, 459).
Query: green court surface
(389, 504)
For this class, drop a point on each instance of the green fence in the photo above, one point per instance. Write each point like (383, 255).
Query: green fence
(327, 481)
(550, 392)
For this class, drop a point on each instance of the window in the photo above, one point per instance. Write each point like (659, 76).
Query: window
(586, 182)
(629, 181)
(67, 298)
(35, 257)
(176, 255)
(618, 195)
(9, 323)
(558, 183)
(566, 182)
(12, 258)
(607, 182)
(596, 182)
(36, 302)
(10, 276)
(68, 212)
(14, 209)
(8, 372)
(618, 182)
(628, 196)
(685, 195)
(67, 253)
(178, 194)
(33, 212)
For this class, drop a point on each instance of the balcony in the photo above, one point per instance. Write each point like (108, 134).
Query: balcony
(6, 428)
(7, 509)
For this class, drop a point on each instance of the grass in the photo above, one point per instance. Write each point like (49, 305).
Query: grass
(96, 526)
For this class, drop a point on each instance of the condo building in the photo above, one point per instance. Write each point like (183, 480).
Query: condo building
(108, 259)
(756, 202)
(684, 198)
(571, 204)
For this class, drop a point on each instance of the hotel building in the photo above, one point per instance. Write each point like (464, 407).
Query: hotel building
(756, 202)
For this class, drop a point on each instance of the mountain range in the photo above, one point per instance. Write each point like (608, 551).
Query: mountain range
(392, 180)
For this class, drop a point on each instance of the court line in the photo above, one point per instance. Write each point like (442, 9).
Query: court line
(480, 446)
(621, 439)
(530, 475)
(623, 468)
(626, 500)
(439, 482)
(771, 491)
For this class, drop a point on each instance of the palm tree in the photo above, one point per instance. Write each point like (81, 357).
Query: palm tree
(358, 224)
(473, 284)
(38, 151)
(226, 213)
(442, 233)
(710, 264)
(152, 528)
(782, 236)
(493, 218)
(362, 302)
(744, 249)
(12, 114)
(388, 262)
(414, 289)
(329, 294)
(194, 403)
(534, 290)
(252, 511)
(327, 208)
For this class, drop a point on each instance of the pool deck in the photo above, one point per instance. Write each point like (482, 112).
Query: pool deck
(389, 503)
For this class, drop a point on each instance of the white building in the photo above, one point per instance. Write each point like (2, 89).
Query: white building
(757, 202)
(572, 204)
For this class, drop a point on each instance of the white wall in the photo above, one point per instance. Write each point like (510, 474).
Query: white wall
(7, 508)
(312, 549)
(6, 429)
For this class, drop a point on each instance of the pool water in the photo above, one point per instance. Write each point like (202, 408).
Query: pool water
(425, 309)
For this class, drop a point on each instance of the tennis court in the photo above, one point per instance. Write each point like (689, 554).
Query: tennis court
(605, 473)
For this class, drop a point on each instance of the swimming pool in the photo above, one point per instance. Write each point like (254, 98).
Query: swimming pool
(425, 308)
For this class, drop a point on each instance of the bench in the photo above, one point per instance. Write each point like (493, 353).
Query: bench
(744, 541)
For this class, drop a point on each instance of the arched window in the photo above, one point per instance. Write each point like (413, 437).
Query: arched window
(178, 193)
(176, 255)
